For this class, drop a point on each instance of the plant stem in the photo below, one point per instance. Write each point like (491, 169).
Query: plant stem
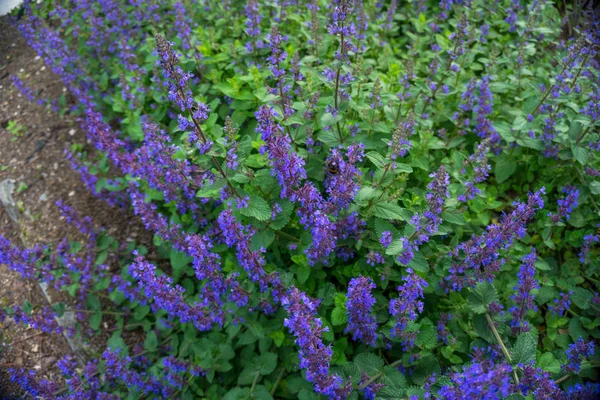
(501, 343)
(279, 378)
(561, 380)
(378, 375)
(254, 382)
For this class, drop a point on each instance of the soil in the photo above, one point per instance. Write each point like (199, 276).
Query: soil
(35, 160)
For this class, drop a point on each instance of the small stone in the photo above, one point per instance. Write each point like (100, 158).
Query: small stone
(72, 132)
(71, 193)
(44, 196)
(43, 68)
(55, 165)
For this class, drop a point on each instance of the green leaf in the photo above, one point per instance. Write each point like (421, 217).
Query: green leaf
(140, 312)
(257, 208)
(377, 159)
(96, 320)
(179, 261)
(419, 263)
(248, 374)
(262, 239)
(391, 211)
(454, 217)
(116, 342)
(369, 363)
(482, 296)
(302, 273)
(267, 362)
(523, 352)
(549, 363)
(580, 154)
(582, 298)
(395, 247)
(400, 167)
(392, 377)
(151, 342)
(282, 218)
(339, 316)
(577, 331)
(504, 169)
(237, 393)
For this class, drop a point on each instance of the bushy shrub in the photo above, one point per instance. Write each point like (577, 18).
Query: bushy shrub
(350, 198)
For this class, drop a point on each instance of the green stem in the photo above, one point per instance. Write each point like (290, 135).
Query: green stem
(501, 343)
(279, 378)
(254, 382)
(378, 375)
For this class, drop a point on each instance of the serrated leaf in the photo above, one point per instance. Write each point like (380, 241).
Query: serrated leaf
(248, 374)
(237, 394)
(482, 296)
(339, 316)
(580, 154)
(369, 363)
(376, 158)
(392, 377)
(179, 261)
(257, 208)
(547, 362)
(577, 331)
(282, 218)
(394, 248)
(96, 320)
(504, 169)
(151, 342)
(391, 211)
(582, 298)
(140, 312)
(482, 328)
(454, 218)
(403, 168)
(262, 239)
(419, 263)
(523, 352)
(267, 362)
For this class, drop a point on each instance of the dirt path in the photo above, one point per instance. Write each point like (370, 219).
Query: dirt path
(32, 144)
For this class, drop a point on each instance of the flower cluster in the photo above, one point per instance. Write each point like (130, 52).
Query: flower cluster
(406, 307)
(523, 297)
(315, 357)
(361, 322)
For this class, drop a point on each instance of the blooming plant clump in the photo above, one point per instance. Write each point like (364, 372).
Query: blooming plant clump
(378, 199)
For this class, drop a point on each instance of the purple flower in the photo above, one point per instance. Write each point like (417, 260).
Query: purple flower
(561, 304)
(479, 380)
(404, 309)
(576, 352)
(566, 205)
(481, 254)
(523, 296)
(386, 238)
(315, 356)
(361, 321)
(588, 242)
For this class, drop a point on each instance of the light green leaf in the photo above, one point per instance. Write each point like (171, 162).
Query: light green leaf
(504, 169)
(369, 363)
(391, 211)
(482, 296)
(523, 352)
(257, 208)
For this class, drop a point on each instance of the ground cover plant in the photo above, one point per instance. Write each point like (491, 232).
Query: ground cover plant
(349, 198)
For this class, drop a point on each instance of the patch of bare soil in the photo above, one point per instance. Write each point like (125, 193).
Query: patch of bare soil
(32, 144)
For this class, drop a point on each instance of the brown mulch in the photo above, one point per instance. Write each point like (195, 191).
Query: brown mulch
(35, 160)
